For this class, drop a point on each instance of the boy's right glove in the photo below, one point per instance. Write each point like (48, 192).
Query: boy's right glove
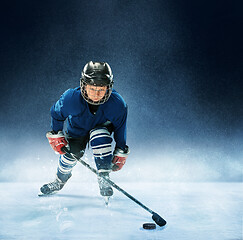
(57, 141)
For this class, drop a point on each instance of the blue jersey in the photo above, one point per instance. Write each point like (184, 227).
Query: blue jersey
(80, 120)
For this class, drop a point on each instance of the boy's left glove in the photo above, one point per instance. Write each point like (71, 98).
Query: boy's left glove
(119, 158)
(57, 141)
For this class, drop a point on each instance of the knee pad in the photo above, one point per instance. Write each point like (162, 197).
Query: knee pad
(100, 141)
(66, 164)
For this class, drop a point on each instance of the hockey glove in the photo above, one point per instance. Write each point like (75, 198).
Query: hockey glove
(119, 158)
(57, 141)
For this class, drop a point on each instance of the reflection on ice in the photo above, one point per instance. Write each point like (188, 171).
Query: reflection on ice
(193, 211)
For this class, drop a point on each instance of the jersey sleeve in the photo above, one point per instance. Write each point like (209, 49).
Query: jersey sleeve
(60, 110)
(120, 128)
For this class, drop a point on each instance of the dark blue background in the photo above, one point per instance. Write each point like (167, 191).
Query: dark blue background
(178, 65)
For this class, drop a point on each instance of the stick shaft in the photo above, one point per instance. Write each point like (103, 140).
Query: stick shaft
(112, 184)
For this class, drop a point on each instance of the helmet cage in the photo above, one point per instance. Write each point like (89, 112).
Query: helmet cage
(83, 85)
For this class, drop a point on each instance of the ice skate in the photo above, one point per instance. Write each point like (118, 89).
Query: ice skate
(52, 187)
(105, 189)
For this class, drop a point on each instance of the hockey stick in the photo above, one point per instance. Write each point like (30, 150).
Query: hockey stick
(155, 216)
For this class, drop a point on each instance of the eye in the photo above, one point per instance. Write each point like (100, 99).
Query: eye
(92, 89)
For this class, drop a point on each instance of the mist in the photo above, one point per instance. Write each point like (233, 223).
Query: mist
(178, 67)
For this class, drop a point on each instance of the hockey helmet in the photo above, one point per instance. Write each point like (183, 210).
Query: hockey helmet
(96, 74)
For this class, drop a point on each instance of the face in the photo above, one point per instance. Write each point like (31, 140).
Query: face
(95, 93)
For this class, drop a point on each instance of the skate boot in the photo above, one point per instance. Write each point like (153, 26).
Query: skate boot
(52, 187)
(105, 188)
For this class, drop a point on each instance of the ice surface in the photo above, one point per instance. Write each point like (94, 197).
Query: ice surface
(193, 211)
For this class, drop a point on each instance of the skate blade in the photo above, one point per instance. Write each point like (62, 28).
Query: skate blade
(106, 198)
(40, 194)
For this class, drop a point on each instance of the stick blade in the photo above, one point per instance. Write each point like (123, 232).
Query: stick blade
(159, 220)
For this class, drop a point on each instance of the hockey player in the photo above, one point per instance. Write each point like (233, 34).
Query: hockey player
(93, 111)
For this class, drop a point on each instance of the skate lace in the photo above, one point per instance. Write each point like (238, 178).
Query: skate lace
(54, 185)
(103, 183)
